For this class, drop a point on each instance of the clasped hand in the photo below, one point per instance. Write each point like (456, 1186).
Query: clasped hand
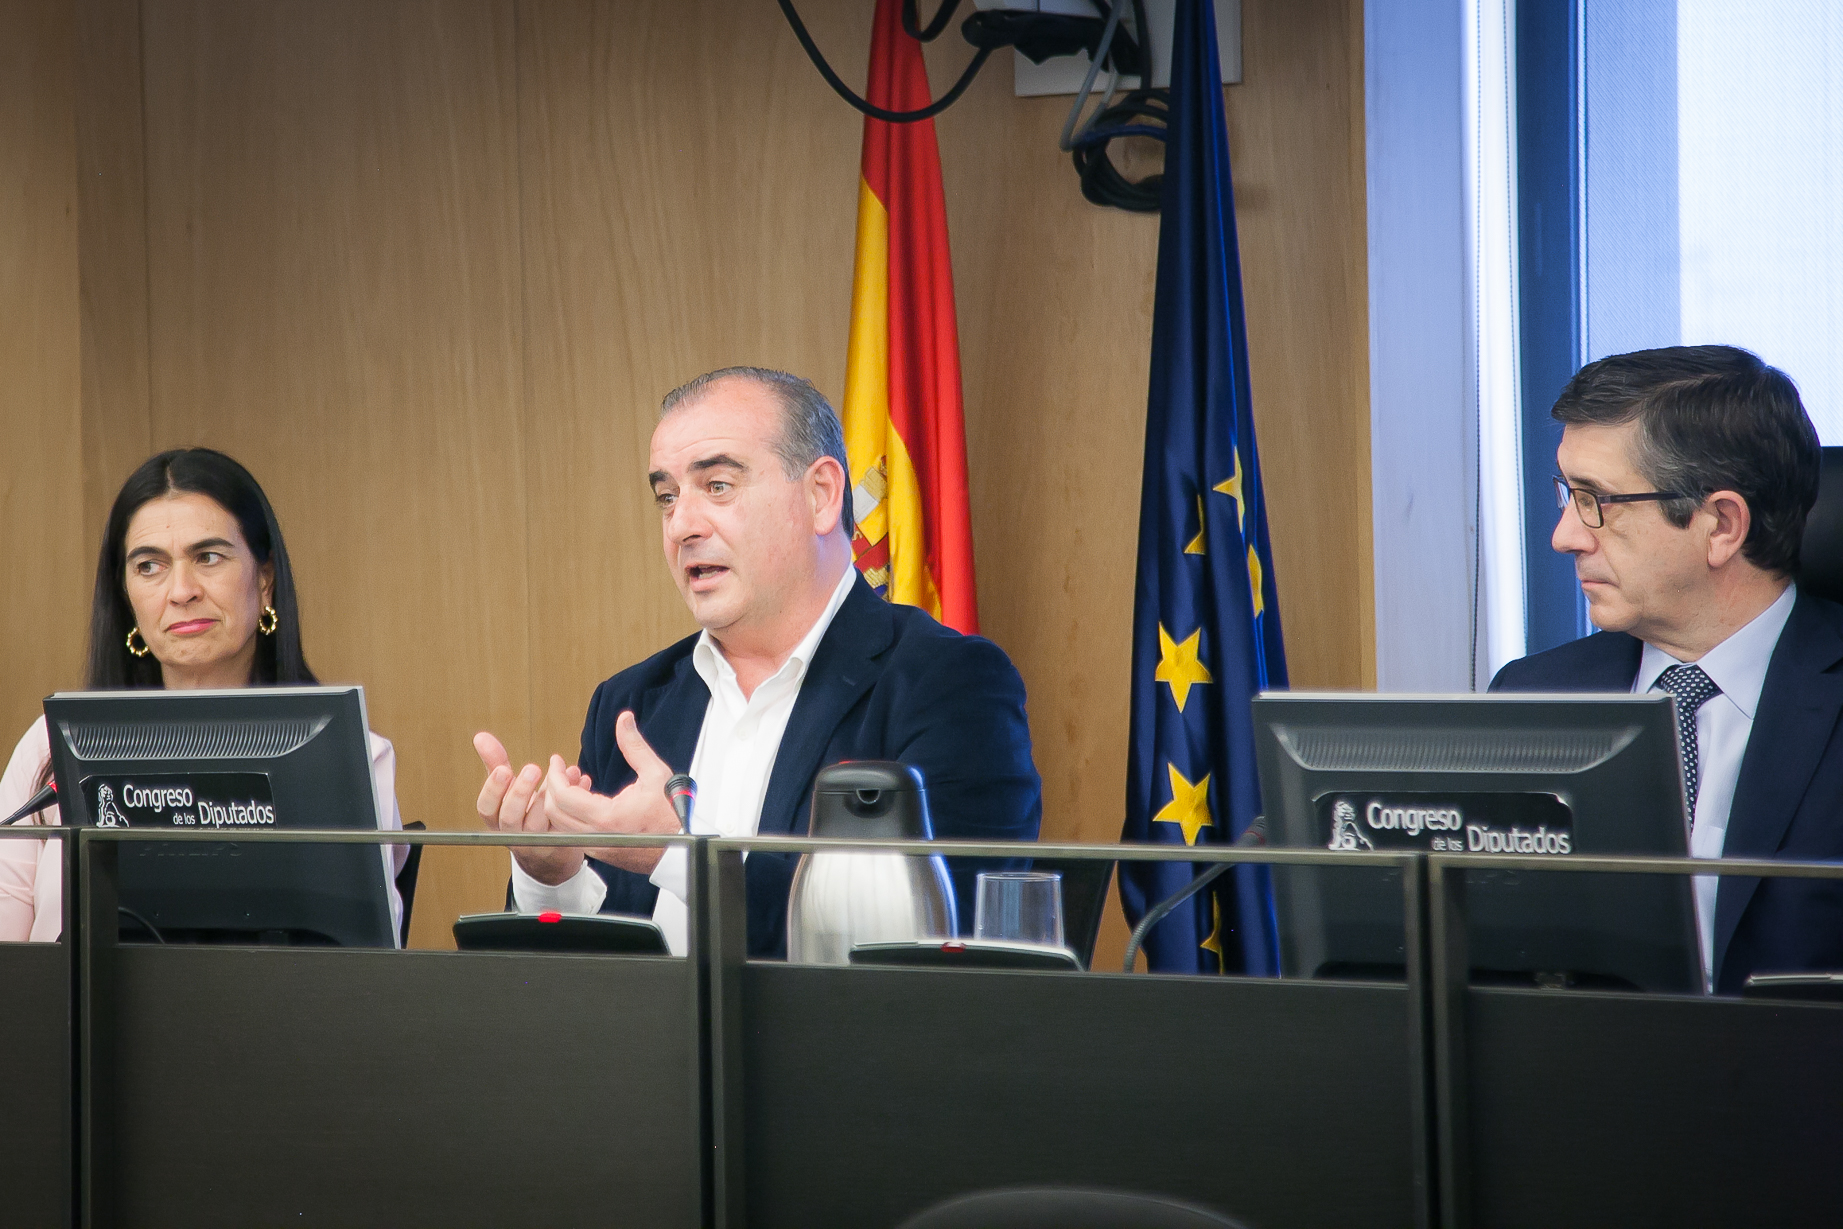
(562, 800)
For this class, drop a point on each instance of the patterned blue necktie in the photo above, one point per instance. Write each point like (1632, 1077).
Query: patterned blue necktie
(1693, 689)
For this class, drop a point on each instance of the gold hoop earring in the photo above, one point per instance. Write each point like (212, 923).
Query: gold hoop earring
(132, 633)
(267, 624)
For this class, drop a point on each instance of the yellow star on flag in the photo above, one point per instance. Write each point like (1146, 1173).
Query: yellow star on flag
(1231, 487)
(1214, 942)
(1254, 581)
(1189, 805)
(1178, 664)
(1196, 544)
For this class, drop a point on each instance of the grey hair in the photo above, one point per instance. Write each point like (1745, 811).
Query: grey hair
(810, 427)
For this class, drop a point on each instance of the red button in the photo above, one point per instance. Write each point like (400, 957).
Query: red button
(953, 947)
(550, 917)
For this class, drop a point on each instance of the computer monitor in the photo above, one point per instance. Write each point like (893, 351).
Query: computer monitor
(246, 760)
(1556, 775)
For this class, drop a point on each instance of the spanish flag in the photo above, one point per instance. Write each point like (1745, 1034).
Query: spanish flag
(905, 434)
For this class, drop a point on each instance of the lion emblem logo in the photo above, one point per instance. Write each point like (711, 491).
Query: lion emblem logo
(1344, 831)
(107, 815)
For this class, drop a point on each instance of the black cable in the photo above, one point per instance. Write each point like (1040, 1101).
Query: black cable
(1128, 52)
(911, 23)
(146, 925)
(1139, 47)
(875, 112)
(1101, 181)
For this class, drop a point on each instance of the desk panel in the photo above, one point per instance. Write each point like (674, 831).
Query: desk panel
(354, 1088)
(35, 1064)
(1633, 1110)
(872, 1093)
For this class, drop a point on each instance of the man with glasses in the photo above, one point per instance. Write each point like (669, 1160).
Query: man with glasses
(1686, 476)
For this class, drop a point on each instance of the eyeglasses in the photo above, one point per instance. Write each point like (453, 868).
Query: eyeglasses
(1591, 506)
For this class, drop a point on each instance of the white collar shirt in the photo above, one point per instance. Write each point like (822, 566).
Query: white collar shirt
(1723, 724)
(736, 750)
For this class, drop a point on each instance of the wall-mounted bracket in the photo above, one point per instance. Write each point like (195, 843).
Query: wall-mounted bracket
(1063, 75)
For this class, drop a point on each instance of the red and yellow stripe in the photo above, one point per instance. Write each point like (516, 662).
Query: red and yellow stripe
(905, 432)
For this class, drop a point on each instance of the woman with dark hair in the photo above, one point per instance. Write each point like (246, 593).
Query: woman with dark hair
(193, 590)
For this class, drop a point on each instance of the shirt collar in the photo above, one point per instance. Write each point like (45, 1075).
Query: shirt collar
(1738, 664)
(713, 667)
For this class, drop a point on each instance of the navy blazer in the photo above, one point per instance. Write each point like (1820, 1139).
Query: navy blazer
(1788, 800)
(886, 683)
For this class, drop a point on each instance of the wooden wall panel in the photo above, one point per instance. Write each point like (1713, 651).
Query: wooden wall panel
(689, 199)
(1296, 135)
(112, 229)
(1055, 300)
(334, 278)
(41, 510)
(428, 265)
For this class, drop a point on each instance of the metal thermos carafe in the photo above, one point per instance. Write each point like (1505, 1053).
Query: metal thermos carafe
(840, 899)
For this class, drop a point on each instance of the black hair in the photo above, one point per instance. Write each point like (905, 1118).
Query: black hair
(1711, 418)
(194, 471)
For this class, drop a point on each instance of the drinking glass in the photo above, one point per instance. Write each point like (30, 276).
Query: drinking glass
(1019, 907)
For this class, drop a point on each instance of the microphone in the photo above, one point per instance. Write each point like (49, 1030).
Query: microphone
(683, 792)
(1254, 835)
(38, 802)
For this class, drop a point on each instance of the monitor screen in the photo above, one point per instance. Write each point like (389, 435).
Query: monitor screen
(236, 761)
(1551, 775)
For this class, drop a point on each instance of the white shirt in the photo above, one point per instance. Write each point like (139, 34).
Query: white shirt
(1738, 666)
(735, 756)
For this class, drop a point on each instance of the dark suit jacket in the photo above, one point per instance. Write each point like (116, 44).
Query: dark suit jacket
(1788, 801)
(886, 683)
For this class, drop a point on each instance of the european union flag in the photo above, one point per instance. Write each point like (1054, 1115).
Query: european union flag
(1206, 626)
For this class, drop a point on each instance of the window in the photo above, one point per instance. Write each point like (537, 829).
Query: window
(1680, 181)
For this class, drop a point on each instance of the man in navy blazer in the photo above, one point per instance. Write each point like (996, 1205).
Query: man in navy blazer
(1686, 477)
(799, 665)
